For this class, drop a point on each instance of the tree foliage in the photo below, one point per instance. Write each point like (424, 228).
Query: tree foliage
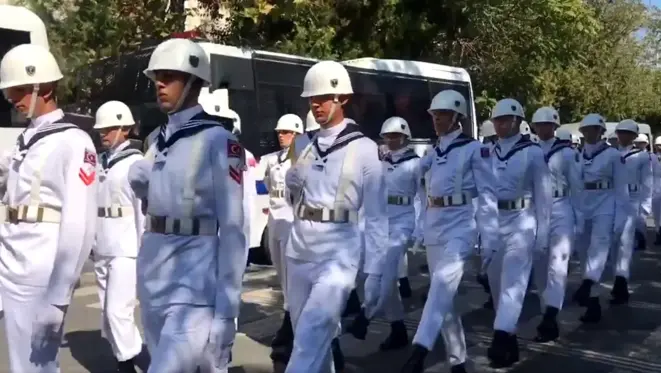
(579, 55)
(83, 31)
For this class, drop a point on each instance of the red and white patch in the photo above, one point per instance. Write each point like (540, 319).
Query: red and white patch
(236, 174)
(87, 177)
(90, 157)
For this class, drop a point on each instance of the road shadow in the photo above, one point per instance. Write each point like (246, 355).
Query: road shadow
(94, 353)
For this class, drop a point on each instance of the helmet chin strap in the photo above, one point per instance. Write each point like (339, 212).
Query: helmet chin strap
(33, 101)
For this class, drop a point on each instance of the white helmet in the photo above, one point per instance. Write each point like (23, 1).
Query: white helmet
(534, 138)
(593, 120)
(564, 134)
(28, 64)
(524, 128)
(546, 114)
(290, 122)
(657, 141)
(229, 113)
(396, 125)
(113, 114)
(311, 123)
(180, 55)
(487, 129)
(642, 138)
(449, 100)
(507, 106)
(627, 125)
(575, 139)
(327, 78)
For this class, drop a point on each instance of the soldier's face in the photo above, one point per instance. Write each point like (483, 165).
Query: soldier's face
(169, 87)
(625, 137)
(20, 97)
(285, 138)
(640, 145)
(505, 126)
(591, 134)
(112, 136)
(544, 130)
(443, 121)
(394, 141)
(324, 108)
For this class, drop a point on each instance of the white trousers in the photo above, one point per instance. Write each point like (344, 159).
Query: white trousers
(593, 246)
(550, 268)
(116, 282)
(509, 273)
(656, 210)
(318, 292)
(446, 268)
(21, 305)
(278, 233)
(177, 337)
(622, 249)
(403, 270)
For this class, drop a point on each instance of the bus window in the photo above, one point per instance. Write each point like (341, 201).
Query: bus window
(436, 86)
(229, 72)
(409, 99)
(368, 105)
(8, 40)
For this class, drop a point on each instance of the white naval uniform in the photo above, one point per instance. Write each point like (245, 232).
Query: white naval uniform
(192, 257)
(523, 189)
(5, 161)
(550, 268)
(52, 191)
(333, 178)
(120, 226)
(460, 203)
(280, 212)
(656, 193)
(603, 203)
(638, 173)
(403, 183)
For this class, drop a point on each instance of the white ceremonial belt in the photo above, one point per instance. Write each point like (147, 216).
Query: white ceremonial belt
(449, 201)
(514, 204)
(182, 226)
(277, 193)
(560, 193)
(115, 212)
(29, 214)
(598, 185)
(399, 200)
(324, 215)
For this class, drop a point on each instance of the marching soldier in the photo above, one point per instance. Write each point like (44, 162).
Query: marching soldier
(120, 226)
(638, 174)
(604, 200)
(192, 258)
(335, 176)
(523, 189)
(550, 268)
(642, 142)
(51, 204)
(279, 224)
(458, 172)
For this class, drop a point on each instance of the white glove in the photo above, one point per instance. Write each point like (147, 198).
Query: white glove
(221, 340)
(138, 177)
(47, 328)
(373, 299)
(294, 181)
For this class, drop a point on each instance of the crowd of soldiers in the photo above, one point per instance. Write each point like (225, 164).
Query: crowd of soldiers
(168, 225)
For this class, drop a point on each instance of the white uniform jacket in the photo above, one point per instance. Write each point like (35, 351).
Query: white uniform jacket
(194, 248)
(51, 195)
(639, 179)
(120, 222)
(328, 188)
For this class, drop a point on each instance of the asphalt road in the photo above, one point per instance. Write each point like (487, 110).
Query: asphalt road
(627, 340)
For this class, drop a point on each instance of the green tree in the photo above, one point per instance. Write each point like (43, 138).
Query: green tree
(83, 31)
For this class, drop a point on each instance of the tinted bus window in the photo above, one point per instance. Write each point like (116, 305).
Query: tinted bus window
(8, 40)
(409, 98)
(368, 105)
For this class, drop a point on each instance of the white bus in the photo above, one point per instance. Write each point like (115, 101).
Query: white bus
(263, 86)
(18, 25)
